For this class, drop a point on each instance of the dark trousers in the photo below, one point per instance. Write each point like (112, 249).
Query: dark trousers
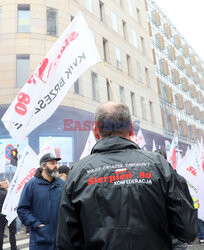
(12, 232)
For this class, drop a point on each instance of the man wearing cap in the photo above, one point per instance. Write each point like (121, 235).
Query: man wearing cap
(39, 203)
(63, 172)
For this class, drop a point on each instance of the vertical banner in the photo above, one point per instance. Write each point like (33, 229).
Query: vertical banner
(91, 141)
(26, 169)
(73, 53)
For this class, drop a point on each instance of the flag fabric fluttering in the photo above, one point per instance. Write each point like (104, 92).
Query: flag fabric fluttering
(73, 53)
(91, 141)
(172, 154)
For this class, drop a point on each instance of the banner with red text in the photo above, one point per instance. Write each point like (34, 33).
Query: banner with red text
(91, 141)
(26, 169)
(73, 53)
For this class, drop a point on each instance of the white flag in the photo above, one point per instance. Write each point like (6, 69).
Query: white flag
(200, 173)
(188, 168)
(91, 141)
(153, 146)
(172, 154)
(26, 169)
(167, 145)
(2, 161)
(140, 140)
(73, 53)
(48, 147)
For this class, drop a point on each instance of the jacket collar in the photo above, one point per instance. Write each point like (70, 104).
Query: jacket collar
(113, 143)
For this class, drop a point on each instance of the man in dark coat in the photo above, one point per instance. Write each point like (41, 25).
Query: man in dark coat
(3, 220)
(121, 197)
(39, 203)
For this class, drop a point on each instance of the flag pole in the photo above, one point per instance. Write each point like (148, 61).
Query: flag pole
(111, 85)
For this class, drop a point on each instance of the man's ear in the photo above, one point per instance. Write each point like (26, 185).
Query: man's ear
(131, 133)
(96, 132)
(43, 166)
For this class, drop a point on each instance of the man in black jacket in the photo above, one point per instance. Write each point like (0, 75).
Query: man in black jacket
(3, 220)
(120, 197)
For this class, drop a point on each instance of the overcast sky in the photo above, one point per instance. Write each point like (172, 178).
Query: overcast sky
(188, 17)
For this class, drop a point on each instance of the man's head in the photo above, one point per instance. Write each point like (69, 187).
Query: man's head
(49, 165)
(113, 119)
(4, 184)
(63, 172)
(161, 152)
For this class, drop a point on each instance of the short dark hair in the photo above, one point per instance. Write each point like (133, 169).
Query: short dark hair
(161, 152)
(63, 169)
(113, 120)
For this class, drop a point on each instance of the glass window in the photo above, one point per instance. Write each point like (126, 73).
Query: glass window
(133, 104)
(151, 110)
(102, 13)
(95, 86)
(89, 5)
(129, 66)
(105, 49)
(22, 70)
(51, 22)
(63, 146)
(130, 7)
(109, 91)
(143, 45)
(124, 29)
(76, 87)
(134, 38)
(23, 18)
(122, 94)
(118, 58)
(147, 77)
(114, 21)
(139, 72)
(138, 16)
(143, 106)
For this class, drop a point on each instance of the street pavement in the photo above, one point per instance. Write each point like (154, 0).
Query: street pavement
(23, 243)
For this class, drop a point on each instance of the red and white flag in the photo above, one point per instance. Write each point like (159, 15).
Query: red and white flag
(91, 141)
(26, 169)
(73, 53)
(48, 147)
(139, 139)
(172, 154)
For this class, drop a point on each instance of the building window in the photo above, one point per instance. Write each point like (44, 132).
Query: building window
(114, 21)
(139, 72)
(95, 86)
(147, 77)
(130, 7)
(109, 91)
(102, 12)
(138, 16)
(122, 94)
(118, 58)
(76, 87)
(151, 111)
(133, 104)
(143, 45)
(23, 18)
(89, 5)
(124, 29)
(143, 107)
(105, 49)
(72, 18)
(129, 66)
(51, 22)
(22, 70)
(134, 38)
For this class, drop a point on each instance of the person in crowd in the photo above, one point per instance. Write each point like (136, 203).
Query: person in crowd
(177, 244)
(39, 203)
(3, 220)
(63, 172)
(201, 232)
(120, 197)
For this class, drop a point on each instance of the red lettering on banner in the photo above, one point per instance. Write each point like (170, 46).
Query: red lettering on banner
(25, 180)
(20, 107)
(192, 170)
